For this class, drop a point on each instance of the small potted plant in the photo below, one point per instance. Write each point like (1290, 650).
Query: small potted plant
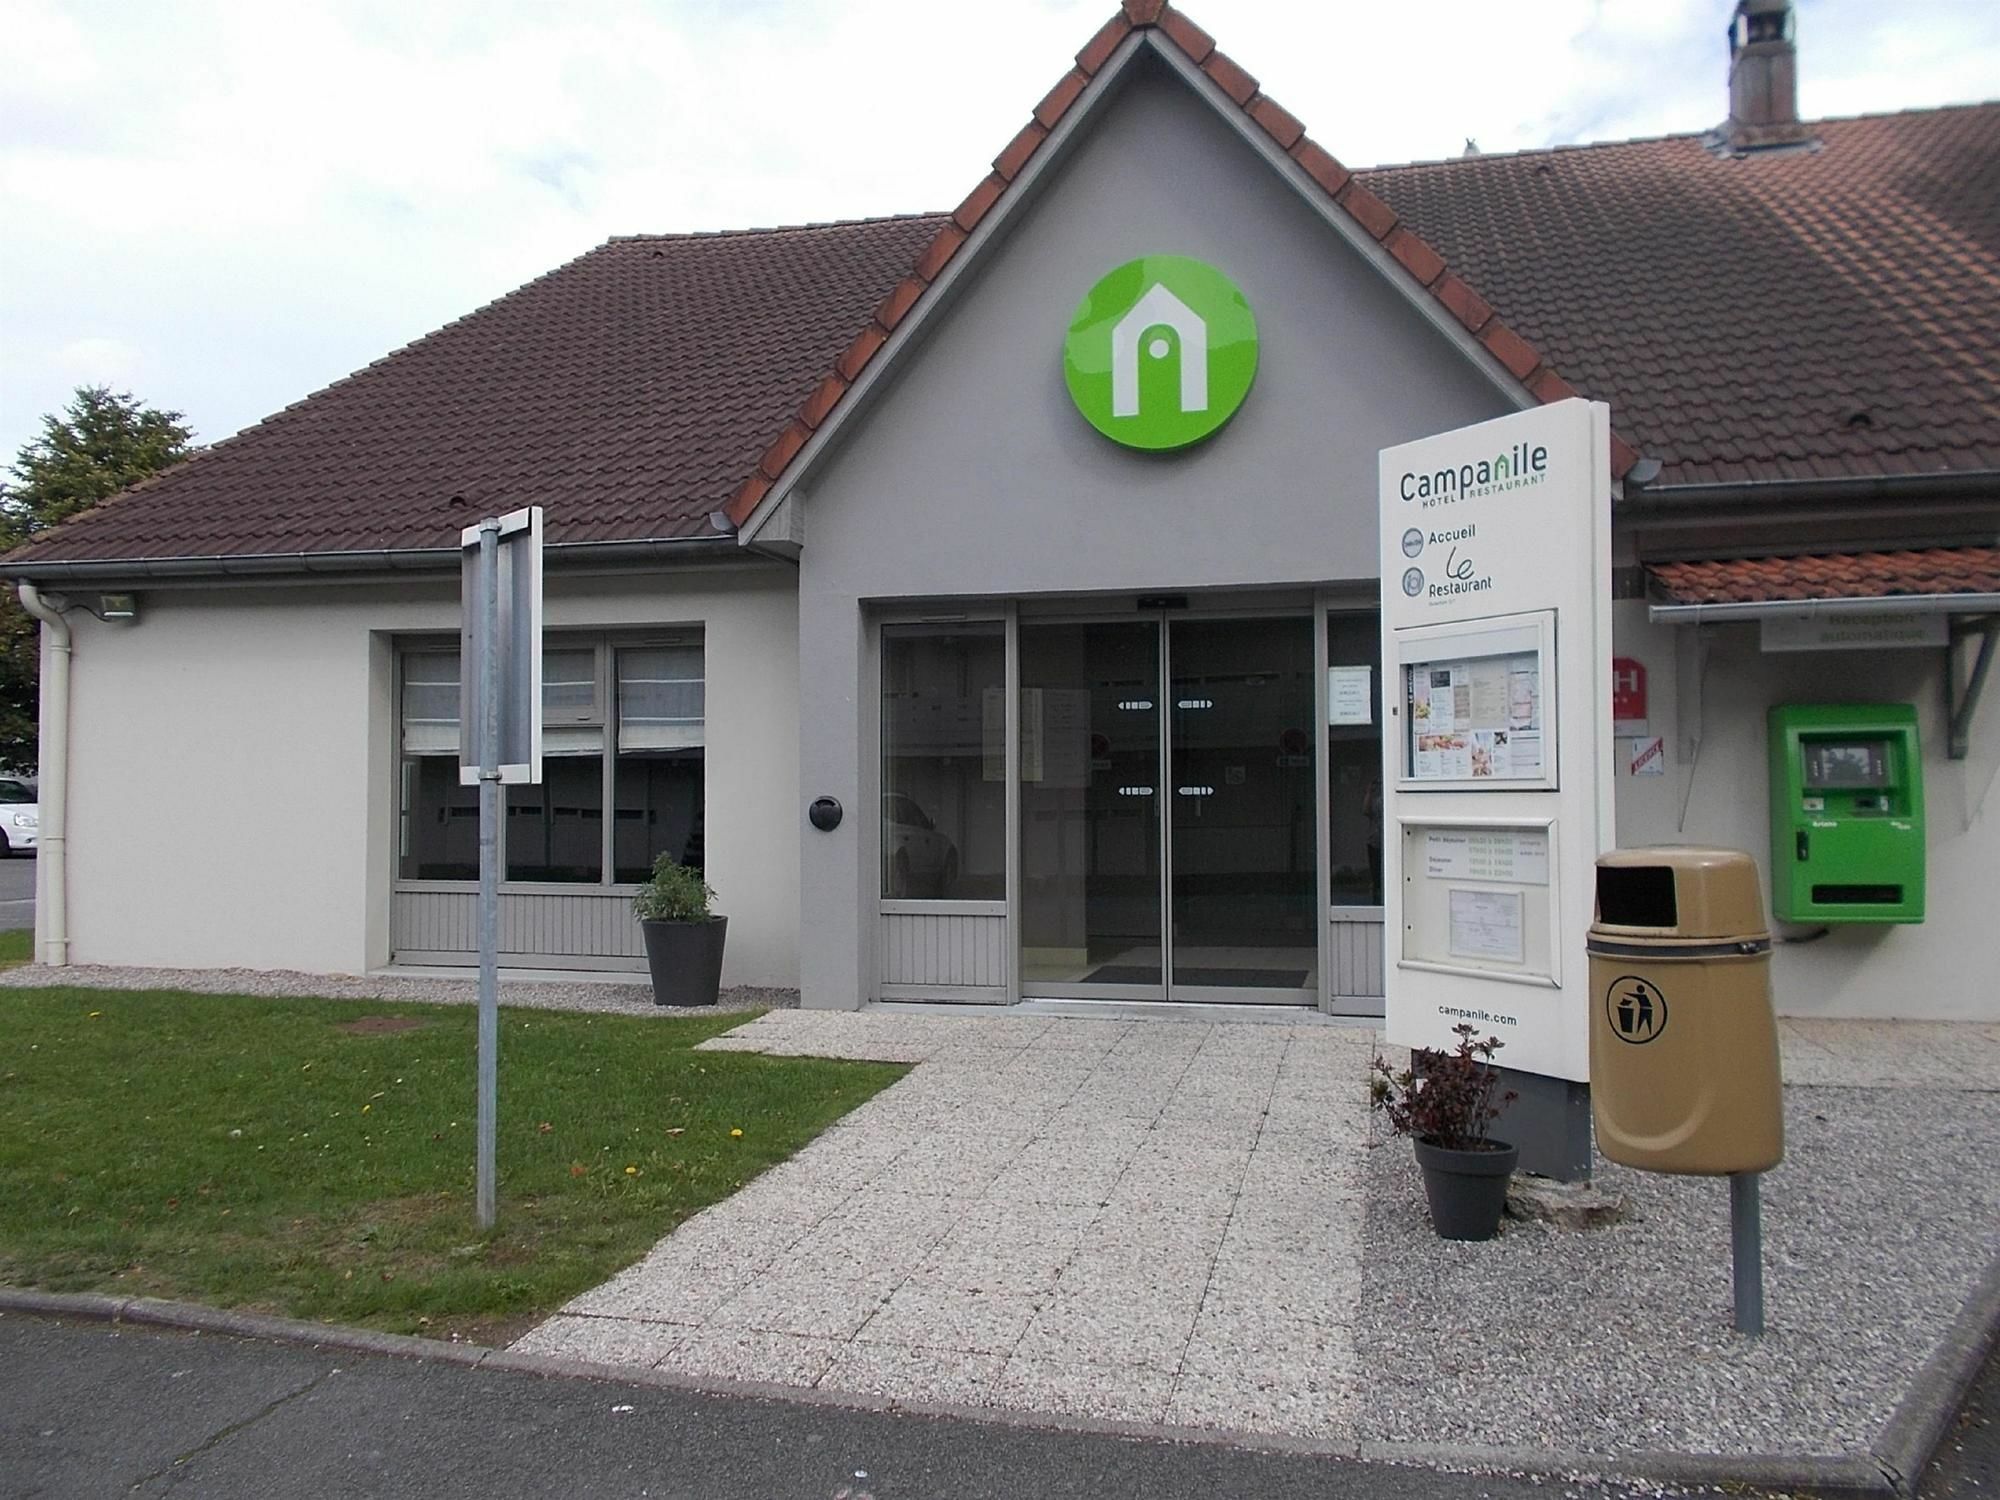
(683, 937)
(1444, 1101)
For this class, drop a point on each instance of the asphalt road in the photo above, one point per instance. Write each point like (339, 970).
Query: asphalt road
(17, 892)
(89, 1409)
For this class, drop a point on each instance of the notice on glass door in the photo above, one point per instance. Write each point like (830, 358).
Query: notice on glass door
(1350, 695)
(1486, 925)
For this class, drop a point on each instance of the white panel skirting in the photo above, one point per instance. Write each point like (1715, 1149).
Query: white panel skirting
(943, 951)
(1357, 954)
(581, 929)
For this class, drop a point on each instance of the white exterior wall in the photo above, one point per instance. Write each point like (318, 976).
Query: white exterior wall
(1930, 971)
(232, 765)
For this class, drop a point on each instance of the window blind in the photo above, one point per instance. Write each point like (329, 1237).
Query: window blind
(662, 698)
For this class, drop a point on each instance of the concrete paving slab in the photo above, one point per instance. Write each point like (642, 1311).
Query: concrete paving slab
(804, 1304)
(1102, 1327)
(1201, 1224)
(1236, 1402)
(943, 1316)
(1000, 1223)
(1066, 1388)
(906, 1372)
(603, 1341)
(652, 1298)
(751, 1354)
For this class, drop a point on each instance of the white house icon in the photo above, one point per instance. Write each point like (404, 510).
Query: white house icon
(1158, 306)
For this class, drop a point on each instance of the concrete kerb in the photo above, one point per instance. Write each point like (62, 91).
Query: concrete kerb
(1892, 1467)
(1918, 1424)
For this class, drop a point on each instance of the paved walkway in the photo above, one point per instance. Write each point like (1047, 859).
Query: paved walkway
(1143, 1221)
(1164, 1221)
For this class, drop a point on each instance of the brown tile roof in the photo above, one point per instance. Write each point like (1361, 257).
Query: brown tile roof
(1785, 315)
(628, 391)
(1835, 575)
(1789, 315)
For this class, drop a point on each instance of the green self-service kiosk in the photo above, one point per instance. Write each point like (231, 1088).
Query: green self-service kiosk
(1847, 813)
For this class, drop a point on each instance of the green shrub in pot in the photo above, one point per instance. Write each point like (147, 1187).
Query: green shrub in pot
(684, 936)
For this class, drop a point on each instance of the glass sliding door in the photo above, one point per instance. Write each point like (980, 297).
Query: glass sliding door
(1091, 843)
(944, 762)
(1169, 795)
(1243, 841)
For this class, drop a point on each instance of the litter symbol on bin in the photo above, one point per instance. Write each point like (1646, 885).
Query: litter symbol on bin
(1636, 1009)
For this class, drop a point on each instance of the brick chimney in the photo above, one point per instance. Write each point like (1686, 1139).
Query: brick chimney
(1763, 77)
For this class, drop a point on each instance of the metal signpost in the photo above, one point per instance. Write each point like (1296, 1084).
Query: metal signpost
(499, 743)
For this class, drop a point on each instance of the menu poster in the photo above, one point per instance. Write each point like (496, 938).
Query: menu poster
(1524, 697)
(1476, 719)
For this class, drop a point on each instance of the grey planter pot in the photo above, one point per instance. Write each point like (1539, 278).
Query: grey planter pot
(686, 960)
(1466, 1189)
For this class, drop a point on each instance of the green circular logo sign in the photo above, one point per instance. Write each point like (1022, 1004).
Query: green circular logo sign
(1161, 352)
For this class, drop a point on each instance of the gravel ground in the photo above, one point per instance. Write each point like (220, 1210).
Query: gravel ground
(1876, 1227)
(592, 995)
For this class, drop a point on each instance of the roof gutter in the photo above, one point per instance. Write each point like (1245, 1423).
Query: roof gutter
(373, 560)
(1954, 484)
(1771, 609)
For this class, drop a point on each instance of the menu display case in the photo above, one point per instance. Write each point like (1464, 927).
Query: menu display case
(1478, 704)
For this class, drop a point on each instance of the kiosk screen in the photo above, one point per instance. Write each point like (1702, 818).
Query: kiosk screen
(1832, 765)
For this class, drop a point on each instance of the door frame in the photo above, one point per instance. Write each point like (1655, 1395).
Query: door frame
(1329, 602)
(1317, 604)
(1169, 991)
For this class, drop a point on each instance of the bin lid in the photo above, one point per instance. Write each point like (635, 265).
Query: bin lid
(1679, 891)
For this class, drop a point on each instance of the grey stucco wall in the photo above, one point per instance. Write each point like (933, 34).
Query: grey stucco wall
(973, 474)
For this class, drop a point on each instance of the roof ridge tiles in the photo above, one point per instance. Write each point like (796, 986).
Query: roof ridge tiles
(762, 230)
(1531, 151)
(1702, 136)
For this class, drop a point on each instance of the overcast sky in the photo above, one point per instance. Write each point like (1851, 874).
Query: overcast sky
(224, 206)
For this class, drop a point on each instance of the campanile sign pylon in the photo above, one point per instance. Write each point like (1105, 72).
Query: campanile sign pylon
(1496, 653)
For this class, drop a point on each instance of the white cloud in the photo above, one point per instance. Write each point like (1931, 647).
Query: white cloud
(94, 361)
(263, 197)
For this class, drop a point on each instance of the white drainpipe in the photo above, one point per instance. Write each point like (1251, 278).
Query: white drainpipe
(53, 858)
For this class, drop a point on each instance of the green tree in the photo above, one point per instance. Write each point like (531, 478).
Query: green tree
(100, 444)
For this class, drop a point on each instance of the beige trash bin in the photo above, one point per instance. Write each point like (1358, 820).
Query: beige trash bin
(1683, 1043)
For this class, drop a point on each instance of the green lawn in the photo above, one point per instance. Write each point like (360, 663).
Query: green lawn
(267, 1154)
(17, 947)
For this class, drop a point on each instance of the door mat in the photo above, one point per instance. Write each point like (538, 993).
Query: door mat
(1235, 979)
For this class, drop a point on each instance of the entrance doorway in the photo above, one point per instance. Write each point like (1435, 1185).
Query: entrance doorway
(1167, 793)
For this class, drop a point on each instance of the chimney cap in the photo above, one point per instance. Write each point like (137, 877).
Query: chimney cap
(1763, 78)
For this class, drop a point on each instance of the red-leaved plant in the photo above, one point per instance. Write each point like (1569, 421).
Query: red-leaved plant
(1445, 1098)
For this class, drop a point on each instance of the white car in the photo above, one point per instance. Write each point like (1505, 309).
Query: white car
(922, 861)
(20, 818)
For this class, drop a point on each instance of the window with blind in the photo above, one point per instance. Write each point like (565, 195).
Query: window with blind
(623, 728)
